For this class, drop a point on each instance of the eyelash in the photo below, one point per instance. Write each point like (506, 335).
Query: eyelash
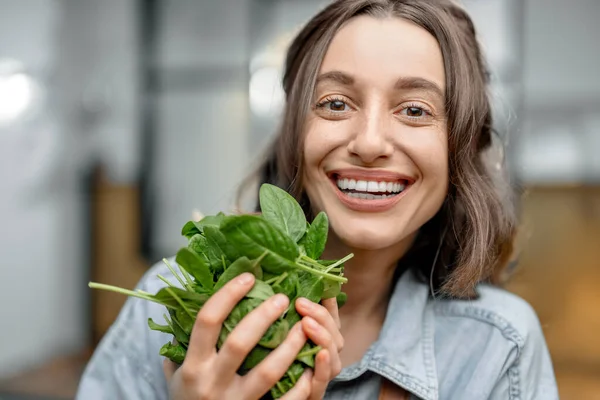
(419, 106)
(331, 99)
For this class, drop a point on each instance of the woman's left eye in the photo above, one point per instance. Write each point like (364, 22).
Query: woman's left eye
(414, 112)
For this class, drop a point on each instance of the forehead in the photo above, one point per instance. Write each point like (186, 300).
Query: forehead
(378, 51)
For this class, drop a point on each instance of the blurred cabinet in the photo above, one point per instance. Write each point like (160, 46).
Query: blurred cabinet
(559, 274)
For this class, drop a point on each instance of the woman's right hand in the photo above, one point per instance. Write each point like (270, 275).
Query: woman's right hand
(207, 374)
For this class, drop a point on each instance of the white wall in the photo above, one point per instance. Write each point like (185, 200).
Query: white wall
(84, 52)
(41, 312)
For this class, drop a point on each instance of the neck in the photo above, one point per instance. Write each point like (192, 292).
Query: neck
(370, 278)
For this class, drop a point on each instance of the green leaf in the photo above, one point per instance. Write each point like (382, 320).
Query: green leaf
(192, 228)
(174, 352)
(307, 354)
(283, 211)
(316, 236)
(195, 266)
(160, 328)
(341, 299)
(254, 358)
(192, 299)
(275, 335)
(240, 266)
(218, 245)
(254, 236)
(185, 321)
(180, 335)
(311, 287)
(260, 290)
(331, 289)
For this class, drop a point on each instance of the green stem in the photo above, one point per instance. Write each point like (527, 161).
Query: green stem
(165, 280)
(181, 303)
(185, 275)
(280, 278)
(321, 274)
(274, 279)
(310, 352)
(139, 295)
(339, 262)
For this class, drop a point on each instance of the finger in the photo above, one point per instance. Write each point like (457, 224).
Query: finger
(321, 376)
(319, 313)
(302, 388)
(209, 320)
(322, 337)
(247, 334)
(169, 368)
(262, 377)
(331, 305)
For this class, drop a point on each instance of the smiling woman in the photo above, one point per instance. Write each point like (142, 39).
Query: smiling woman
(385, 125)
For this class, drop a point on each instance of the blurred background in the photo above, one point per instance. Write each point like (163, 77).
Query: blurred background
(120, 118)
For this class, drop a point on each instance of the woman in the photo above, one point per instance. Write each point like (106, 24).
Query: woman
(385, 126)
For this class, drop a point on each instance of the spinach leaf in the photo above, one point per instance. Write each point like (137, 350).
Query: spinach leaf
(316, 236)
(240, 266)
(160, 328)
(196, 300)
(192, 228)
(283, 211)
(174, 352)
(185, 321)
(260, 290)
(180, 335)
(195, 266)
(331, 289)
(218, 245)
(253, 358)
(341, 299)
(255, 237)
(275, 334)
(311, 287)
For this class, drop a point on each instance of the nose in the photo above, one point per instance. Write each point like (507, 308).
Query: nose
(371, 140)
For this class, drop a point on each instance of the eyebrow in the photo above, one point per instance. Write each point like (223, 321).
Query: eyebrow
(403, 83)
(416, 83)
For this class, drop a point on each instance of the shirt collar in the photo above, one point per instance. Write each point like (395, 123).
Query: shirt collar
(404, 352)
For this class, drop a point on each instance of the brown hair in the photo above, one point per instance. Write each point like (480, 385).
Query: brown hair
(470, 239)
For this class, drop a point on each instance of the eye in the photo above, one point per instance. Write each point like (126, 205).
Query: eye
(415, 112)
(333, 105)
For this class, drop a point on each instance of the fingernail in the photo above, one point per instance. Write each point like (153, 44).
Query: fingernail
(280, 300)
(245, 278)
(304, 302)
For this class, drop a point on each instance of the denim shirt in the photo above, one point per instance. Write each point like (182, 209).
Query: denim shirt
(489, 348)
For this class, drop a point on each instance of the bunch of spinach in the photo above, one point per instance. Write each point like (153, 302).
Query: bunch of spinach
(283, 252)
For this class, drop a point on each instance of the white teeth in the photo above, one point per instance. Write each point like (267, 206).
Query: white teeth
(361, 186)
(372, 187)
(368, 196)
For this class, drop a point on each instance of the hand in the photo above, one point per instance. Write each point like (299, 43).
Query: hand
(321, 323)
(207, 374)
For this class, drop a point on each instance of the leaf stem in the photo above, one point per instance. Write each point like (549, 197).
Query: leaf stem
(139, 295)
(181, 303)
(321, 274)
(339, 262)
(280, 278)
(310, 352)
(165, 280)
(185, 275)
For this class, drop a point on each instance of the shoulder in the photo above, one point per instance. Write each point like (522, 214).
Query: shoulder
(497, 309)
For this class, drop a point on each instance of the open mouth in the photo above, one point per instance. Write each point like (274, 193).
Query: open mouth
(369, 195)
(370, 190)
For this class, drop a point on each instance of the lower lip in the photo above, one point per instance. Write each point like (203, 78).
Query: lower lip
(365, 205)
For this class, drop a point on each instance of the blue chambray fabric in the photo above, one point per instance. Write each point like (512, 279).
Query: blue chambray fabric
(489, 348)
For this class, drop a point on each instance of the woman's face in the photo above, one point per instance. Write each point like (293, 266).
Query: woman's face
(375, 150)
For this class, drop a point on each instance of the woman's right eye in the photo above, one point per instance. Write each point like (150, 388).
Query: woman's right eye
(334, 105)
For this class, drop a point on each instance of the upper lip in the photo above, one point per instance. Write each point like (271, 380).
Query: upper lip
(378, 175)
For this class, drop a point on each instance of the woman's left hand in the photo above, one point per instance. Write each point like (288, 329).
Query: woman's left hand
(321, 323)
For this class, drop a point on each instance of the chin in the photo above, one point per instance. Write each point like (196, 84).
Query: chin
(367, 235)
